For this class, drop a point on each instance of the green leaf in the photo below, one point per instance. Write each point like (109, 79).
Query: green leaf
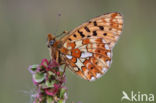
(50, 84)
(39, 77)
(34, 67)
(49, 99)
(60, 101)
(62, 91)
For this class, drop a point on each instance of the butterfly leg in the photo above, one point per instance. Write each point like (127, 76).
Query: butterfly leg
(65, 68)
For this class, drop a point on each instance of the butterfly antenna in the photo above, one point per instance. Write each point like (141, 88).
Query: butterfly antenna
(61, 34)
(58, 22)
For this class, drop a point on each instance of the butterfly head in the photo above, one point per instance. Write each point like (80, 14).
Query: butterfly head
(51, 40)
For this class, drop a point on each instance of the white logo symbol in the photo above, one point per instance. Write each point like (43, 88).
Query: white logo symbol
(138, 96)
(125, 96)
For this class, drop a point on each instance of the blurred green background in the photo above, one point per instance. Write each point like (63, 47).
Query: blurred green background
(24, 25)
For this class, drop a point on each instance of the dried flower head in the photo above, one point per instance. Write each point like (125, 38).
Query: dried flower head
(49, 80)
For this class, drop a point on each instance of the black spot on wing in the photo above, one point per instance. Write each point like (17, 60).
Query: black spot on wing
(70, 39)
(95, 23)
(81, 34)
(75, 35)
(104, 34)
(88, 36)
(94, 33)
(87, 29)
(101, 27)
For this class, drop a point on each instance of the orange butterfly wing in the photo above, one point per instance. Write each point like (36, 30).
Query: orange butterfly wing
(89, 46)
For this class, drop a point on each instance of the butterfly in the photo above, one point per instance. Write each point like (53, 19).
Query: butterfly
(87, 50)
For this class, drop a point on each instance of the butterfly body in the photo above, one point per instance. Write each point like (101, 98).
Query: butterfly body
(87, 50)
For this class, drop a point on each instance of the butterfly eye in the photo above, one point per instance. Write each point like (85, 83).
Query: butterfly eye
(51, 42)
